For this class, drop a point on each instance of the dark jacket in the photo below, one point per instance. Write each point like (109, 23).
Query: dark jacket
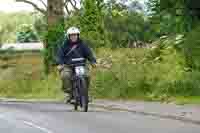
(81, 51)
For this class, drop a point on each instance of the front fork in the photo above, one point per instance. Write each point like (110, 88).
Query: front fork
(75, 91)
(76, 85)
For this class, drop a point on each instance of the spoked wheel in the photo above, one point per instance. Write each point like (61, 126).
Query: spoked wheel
(80, 93)
(76, 103)
(83, 95)
(84, 102)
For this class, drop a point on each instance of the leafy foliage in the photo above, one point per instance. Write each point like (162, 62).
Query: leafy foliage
(126, 28)
(170, 68)
(54, 37)
(1, 35)
(26, 33)
(191, 48)
(91, 23)
(178, 16)
(10, 26)
(40, 25)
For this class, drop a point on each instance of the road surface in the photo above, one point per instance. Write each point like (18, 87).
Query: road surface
(60, 118)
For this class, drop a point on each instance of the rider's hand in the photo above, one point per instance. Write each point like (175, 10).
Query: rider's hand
(94, 65)
(60, 67)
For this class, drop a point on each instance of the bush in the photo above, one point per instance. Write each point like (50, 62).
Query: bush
(40, 25)
(166, 45)
(1, 35)
(121, 73)
(26, 33)
(54, 37)
(26, 78)
(10, 27)
(128, 73)
(173, 56)
(191, 49)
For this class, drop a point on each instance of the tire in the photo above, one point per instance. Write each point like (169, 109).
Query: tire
(76, 105)
(83, 95)
(84, 103)
(75, 93)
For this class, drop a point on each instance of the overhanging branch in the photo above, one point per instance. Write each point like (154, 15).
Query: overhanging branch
(45, 5)
(67, 9)
(73, 4)
(34, 5)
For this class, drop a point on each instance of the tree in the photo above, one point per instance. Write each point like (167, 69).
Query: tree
(67, 4)
(42, 10)
(177, 16)
(54, 13)
(135, 6)
(92, 22)
(126, 24)
(26, 33)
(1, 35)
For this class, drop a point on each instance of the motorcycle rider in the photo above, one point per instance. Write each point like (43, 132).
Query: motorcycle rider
(73, 47)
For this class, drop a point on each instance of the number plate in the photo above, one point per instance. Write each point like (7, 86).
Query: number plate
(80, 70)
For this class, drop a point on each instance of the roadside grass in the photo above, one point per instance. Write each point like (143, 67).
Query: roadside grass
(25, 79)
(125, 74)
(187, 100)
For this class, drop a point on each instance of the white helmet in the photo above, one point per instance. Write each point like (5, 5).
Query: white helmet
(73, 30)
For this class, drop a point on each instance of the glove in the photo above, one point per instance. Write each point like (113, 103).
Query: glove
(94, 65)
(60, 67)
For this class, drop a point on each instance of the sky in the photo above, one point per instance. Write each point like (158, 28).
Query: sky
(12, 6)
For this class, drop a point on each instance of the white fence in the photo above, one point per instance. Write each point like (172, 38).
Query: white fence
(22, 46)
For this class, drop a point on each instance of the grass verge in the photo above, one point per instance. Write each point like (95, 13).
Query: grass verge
(121, 74)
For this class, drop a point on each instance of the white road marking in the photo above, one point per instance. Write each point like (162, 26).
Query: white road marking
(45, 130)
(38, 127)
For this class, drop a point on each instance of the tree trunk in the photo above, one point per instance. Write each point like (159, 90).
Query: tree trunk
(55, 12)
(55, 20)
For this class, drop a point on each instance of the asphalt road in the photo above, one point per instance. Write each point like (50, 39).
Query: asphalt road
(60, 118)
